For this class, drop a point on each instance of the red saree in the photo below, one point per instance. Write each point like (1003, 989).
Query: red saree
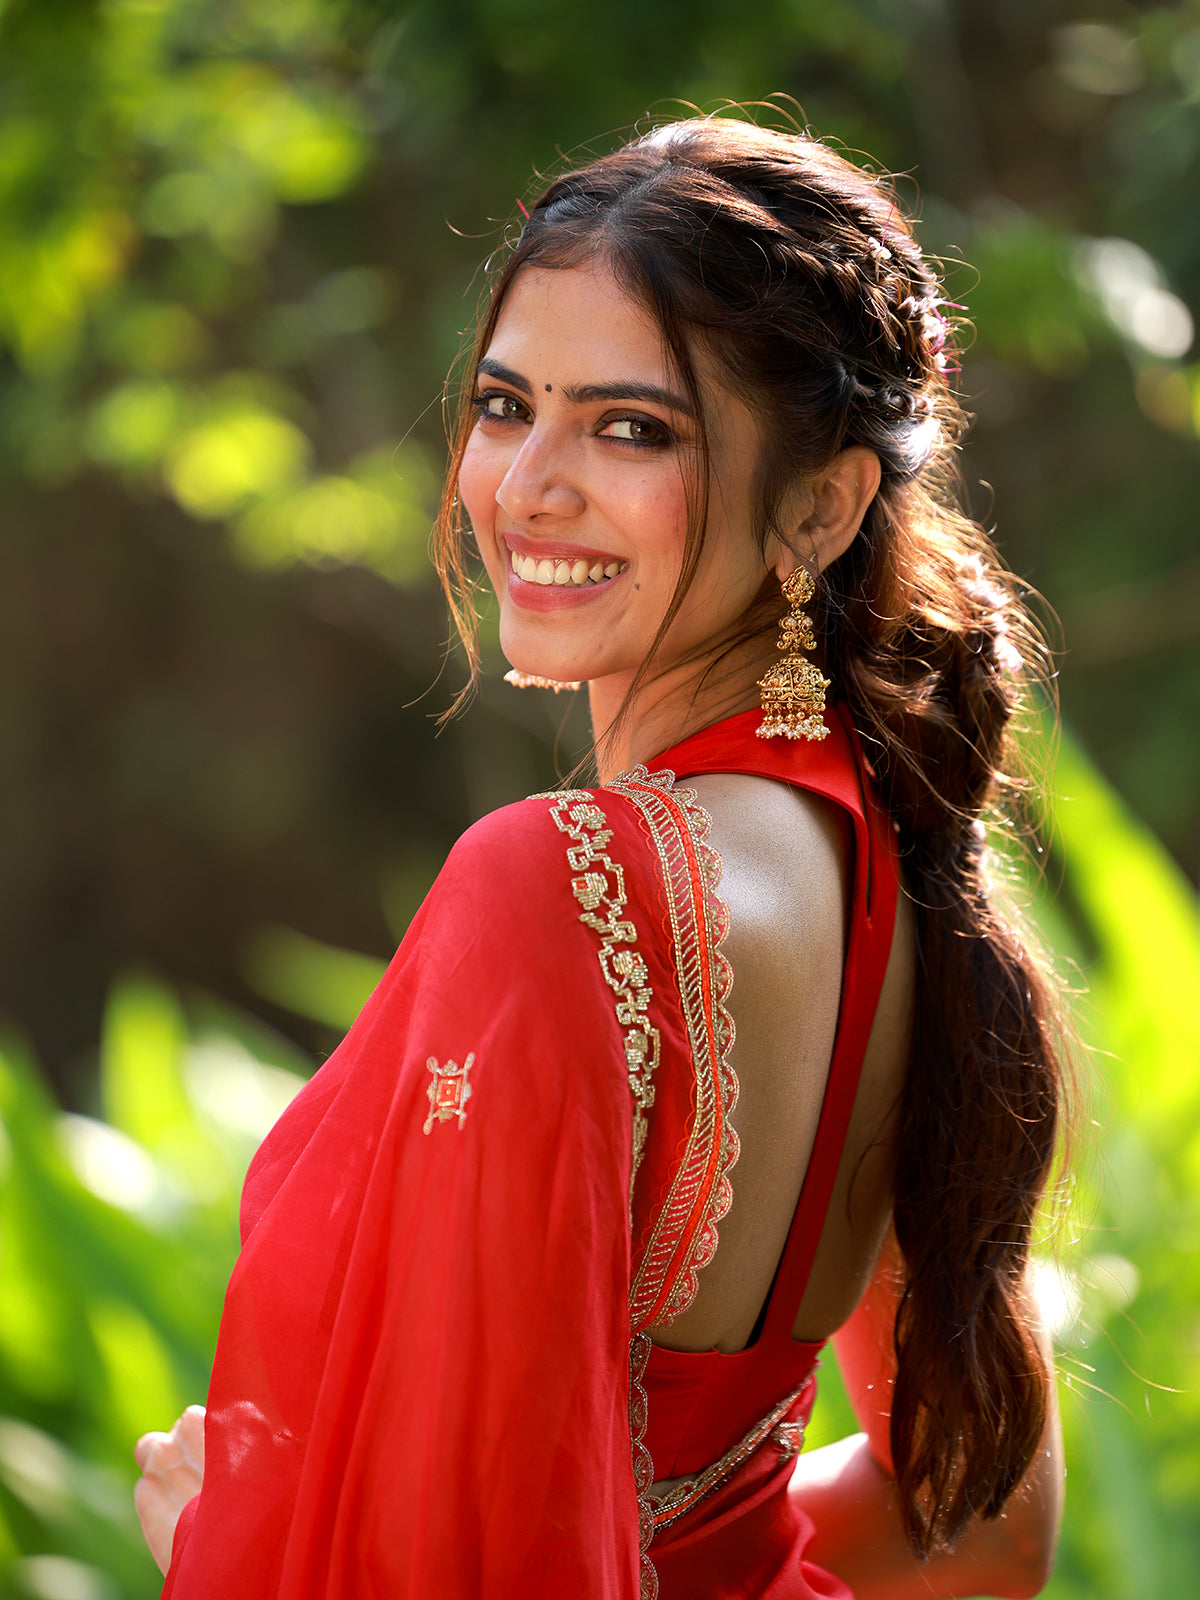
(428, 1380)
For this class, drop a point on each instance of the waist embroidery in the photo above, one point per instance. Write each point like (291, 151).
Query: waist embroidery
(787, 1437)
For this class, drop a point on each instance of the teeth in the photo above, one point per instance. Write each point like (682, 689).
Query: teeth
(560, 572)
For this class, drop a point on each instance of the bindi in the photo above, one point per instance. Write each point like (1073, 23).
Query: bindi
(549, 388)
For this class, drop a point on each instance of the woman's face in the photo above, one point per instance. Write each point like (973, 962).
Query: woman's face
(574, 483)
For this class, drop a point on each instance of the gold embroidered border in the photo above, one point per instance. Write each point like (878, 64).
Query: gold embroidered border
(643, 1465)
(684, 1236)
(599, 887)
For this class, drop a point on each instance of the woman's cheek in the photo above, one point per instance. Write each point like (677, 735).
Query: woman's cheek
(477, 485)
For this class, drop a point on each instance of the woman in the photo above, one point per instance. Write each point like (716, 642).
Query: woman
(481, 1339)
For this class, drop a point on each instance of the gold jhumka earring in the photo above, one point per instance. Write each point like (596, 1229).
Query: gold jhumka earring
(529, 680)
(793, 692)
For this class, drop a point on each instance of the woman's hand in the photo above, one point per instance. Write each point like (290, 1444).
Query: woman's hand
(172, 1472)
(848, 1487)
(859, 1533)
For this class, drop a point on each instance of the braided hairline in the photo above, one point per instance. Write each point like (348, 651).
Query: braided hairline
(867, 250)
(871, 248)
(896, 287)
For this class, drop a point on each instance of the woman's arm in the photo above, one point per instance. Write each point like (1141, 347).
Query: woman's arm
(849, 1491)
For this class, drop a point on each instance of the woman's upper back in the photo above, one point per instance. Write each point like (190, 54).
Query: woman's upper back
(807, 908)
(786, 858)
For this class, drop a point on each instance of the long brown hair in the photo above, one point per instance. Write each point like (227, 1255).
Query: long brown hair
(798, 272)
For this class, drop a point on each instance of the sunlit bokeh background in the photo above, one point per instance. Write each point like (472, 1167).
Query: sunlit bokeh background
(239, 247)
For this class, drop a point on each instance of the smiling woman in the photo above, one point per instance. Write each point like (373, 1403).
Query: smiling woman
(582, 452)
(577, 478)
(537, 1270)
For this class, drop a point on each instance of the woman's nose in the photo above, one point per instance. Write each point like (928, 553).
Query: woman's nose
(539, 482)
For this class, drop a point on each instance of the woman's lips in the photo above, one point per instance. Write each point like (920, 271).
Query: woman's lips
(542, 579)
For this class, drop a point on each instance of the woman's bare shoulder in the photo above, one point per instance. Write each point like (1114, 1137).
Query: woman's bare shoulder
(763, 828)
(785, 865)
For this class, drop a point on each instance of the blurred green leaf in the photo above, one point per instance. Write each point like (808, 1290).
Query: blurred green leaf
(141, 1057)
(1132, 1362)
(309, 977)
(1144, 918)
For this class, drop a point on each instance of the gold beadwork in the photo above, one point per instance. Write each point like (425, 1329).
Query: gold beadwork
(530, 680)
(599, 887)
(793, 692)
(787, 1437)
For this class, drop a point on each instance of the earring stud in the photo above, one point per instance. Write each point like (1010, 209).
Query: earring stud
(530, 680)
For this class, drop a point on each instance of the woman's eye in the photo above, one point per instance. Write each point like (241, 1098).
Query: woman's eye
(637, 430)
(506, 407)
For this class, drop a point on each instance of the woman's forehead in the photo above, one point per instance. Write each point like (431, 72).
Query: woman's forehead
(582, 316)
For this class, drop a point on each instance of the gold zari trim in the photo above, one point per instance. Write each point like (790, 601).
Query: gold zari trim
(599, 887)
(643, 1465)
(683, 1239)
(788, 1438)
(684, 1236)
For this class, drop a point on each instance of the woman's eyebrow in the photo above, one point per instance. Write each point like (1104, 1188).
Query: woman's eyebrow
(488, 368)
(591, 393)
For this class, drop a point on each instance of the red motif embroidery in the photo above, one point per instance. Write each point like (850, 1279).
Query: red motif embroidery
(449, 1091)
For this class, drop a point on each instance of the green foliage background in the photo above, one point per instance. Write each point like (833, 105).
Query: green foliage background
(237, 248)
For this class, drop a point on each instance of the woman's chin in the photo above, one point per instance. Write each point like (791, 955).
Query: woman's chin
(532, 659)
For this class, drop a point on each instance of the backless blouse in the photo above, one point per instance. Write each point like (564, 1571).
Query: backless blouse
(702, 1403)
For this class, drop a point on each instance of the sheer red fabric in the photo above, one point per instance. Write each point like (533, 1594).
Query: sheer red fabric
(423, 1383)
(421, 1380)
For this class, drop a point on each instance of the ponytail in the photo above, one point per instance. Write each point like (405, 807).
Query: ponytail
(932, 682)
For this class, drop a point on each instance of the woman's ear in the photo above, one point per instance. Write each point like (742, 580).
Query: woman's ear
(834, 505)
